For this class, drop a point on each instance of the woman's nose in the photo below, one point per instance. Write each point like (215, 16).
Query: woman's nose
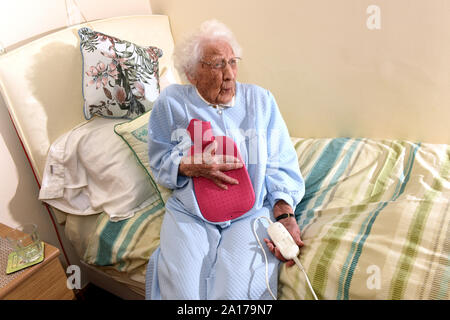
(228, 72)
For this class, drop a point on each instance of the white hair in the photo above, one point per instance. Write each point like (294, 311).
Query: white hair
(188, 51)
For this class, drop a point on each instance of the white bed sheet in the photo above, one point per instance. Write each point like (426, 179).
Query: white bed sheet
(91, 170)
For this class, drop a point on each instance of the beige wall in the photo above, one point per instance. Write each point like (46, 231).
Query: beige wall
(21, 21)
(25, 19)
(19, 191)
(330, 74)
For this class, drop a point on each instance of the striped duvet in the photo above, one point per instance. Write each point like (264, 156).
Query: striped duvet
(375, 221)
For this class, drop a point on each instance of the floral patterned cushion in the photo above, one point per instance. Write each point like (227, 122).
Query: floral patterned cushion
(120, 78)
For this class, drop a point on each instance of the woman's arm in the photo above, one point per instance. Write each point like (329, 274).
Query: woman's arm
(284, 182)
(166, 144)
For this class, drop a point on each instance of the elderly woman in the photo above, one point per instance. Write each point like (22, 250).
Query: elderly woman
(199, 258)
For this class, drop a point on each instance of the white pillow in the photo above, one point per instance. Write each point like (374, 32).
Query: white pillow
(90, 169)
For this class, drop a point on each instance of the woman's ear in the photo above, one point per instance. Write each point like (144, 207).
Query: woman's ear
(190, 76)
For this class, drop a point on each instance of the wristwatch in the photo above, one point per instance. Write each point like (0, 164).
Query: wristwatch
(284, 215)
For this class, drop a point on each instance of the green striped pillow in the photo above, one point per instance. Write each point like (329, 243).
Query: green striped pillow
(135, 134)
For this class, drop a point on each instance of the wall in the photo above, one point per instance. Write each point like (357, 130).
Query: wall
(28, 19)
(19, 191)
(330, 73)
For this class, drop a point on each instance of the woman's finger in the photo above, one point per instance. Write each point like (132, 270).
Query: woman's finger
(227, 159)
(275, 251)
(220, 184)
(290, 263)
(279, 255)
(270, 245)
(224, 178)
(229, 166)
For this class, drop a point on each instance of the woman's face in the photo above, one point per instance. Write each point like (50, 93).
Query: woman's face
(217, 86)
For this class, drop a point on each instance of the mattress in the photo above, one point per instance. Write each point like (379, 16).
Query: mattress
(375, 220)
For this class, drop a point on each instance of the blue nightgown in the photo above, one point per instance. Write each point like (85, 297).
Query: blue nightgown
(198, 259)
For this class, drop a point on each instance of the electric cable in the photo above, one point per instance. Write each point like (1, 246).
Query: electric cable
(297, 262)
(265, 256)
(295, 258)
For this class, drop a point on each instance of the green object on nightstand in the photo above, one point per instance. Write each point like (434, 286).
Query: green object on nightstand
(16, 264)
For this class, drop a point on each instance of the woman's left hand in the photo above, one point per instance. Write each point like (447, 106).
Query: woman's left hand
(291, 225)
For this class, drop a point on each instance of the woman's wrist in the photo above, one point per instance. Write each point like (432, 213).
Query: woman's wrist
(280, 208)
(285, 216)
(182, 169)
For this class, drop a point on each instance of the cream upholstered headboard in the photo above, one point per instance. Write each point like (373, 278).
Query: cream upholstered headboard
(41, 82)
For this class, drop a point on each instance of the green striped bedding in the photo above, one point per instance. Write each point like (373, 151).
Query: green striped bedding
(375, 221)
(126, 245)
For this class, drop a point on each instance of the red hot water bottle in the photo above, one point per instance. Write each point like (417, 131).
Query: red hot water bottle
(215, 203)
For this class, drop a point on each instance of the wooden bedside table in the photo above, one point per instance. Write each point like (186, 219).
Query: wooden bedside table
(43, 281)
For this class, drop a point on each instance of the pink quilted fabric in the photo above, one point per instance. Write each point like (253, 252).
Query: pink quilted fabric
(216, 204)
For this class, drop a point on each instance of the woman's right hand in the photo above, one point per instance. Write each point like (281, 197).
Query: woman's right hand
(210, 166)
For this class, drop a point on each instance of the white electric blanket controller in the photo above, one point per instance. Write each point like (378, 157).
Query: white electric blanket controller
(283, 240)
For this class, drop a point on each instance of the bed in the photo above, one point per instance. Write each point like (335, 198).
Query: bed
(375, 217)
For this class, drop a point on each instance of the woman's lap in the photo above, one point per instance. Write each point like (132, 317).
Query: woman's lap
(200, 260)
